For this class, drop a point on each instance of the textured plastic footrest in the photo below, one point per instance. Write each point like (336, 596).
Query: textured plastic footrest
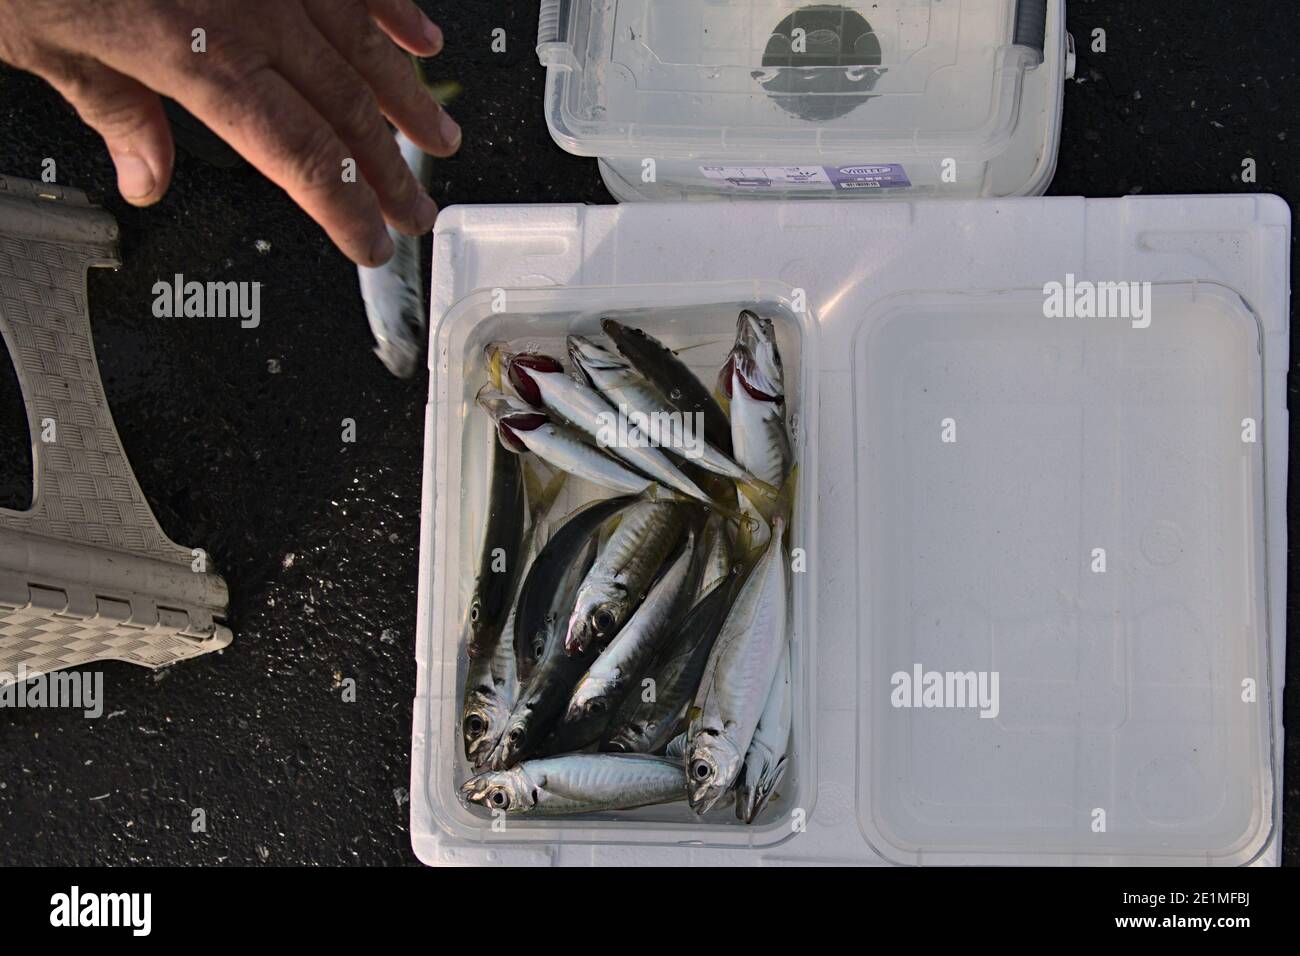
(86, 574)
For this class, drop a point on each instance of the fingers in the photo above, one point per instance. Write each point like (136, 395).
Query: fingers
(339, 94)
(407, 25)
(271, 125)
(389, 73)
(130, 118)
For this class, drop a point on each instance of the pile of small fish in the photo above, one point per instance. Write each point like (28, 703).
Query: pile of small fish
(636, 651)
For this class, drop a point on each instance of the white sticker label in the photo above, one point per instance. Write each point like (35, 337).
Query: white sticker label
(838, 178)
(769, 177)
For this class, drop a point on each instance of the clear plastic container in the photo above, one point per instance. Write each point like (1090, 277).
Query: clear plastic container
(1091, 510)
(1091, 534)
(701, 321)
(699, 99)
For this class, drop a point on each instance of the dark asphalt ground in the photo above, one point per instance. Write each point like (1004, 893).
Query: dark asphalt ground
(234, 436)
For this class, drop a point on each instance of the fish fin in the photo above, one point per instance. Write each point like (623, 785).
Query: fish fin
(497, 355)
(541, 493)
(785, 497)
(769, 501)
(442, 91)
(699, 345)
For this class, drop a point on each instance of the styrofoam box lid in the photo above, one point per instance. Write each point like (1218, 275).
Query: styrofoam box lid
(1089, 509)
(765, 79)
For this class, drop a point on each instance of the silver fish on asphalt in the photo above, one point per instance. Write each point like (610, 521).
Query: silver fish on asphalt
(648, 409)
(766, 759)
(541, 381)
(393, 294)
(527, 429)
(615, 672)
(738, 678)
(628, 564)
(578, 783)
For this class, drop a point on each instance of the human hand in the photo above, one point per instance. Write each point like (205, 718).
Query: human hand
(297, 87)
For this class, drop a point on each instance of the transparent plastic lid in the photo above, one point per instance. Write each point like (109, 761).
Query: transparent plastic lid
(772, 78)
(1061, 538)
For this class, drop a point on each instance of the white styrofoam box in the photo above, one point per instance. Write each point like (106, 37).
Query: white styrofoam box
(1120, 691)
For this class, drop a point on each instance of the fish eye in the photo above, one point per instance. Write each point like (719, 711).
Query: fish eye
(597, 707)
(474, 612)
(517, 736)
(499, 799)
(539, 648)
(604, 620)
(700, 770)
(475, 725)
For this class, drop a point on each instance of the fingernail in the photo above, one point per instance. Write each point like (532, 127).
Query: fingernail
(433, 35)
(426, 211)
(135, 179)
(382, 248)
(450, 130)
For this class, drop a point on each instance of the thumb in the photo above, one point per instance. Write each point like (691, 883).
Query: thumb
(130, 118)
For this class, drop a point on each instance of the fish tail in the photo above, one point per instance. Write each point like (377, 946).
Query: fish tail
(497, 356)
(541, 494)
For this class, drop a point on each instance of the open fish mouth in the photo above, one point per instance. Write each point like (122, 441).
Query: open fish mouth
(756, 359)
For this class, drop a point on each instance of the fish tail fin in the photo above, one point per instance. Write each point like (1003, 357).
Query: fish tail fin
(497, 356)
(541, 492)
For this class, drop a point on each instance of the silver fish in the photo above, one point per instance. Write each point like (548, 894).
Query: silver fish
(754, 381)
(766, 759)
(642, 403)
(739, 676)
(499, 560)
(549, 593)
(492, 680)
(527, 429)
(617, 583)
(491, 687)
(662, 368)
(393, 294)
(541, 381)
(649, 718)
(543, 697)
(546, 597)
(602, 689)
(578, 783)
